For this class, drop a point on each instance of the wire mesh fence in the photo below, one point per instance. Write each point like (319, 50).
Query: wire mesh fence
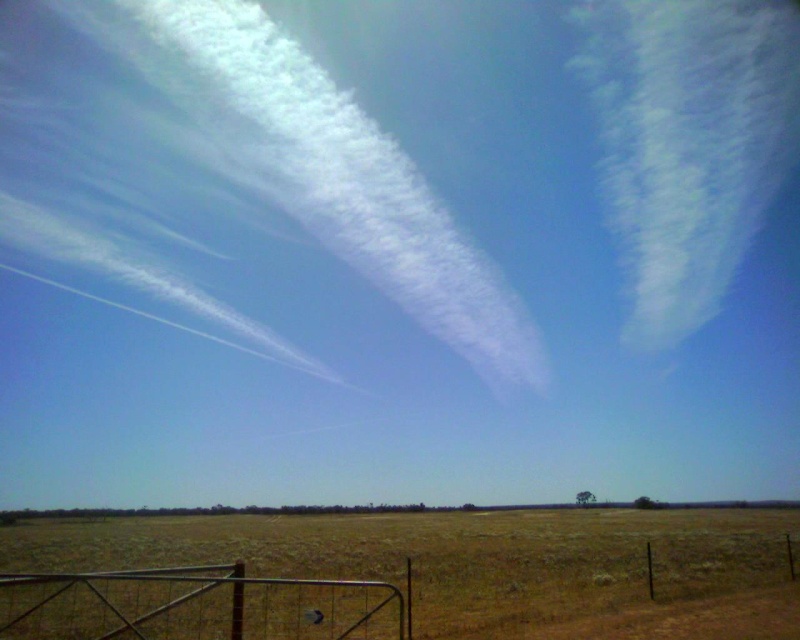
(581, 575)
(327, 610)
(709, 564)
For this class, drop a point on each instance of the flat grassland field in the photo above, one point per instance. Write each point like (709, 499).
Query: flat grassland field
(573, 573)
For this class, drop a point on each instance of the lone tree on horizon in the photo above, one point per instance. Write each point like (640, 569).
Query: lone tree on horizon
(585, 498)
(646, 502)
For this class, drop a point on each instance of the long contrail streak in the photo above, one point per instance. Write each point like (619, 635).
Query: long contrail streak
(699, 105)
(276, 126)
(170, 323)
(303, 432)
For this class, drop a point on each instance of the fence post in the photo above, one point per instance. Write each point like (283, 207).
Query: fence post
(791, 560)
(408, 576)
(237, 620)
(650, 570)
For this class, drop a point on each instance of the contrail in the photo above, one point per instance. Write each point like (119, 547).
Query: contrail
(303, 432)
(32, 228)
(700, 113)
(170, 323)
(289, 134)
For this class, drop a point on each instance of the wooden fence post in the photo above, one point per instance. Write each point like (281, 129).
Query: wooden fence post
(237, 620)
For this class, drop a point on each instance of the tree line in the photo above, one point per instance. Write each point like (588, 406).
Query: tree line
(98, 514)
(584, 499)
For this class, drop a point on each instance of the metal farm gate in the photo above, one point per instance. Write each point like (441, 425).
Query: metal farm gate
(198, 603)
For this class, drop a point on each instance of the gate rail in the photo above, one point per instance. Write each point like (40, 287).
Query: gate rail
(235, 578)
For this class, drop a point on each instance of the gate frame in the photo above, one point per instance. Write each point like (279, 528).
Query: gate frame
(236, 578)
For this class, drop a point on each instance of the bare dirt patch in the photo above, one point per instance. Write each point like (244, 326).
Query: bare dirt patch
(759, 614)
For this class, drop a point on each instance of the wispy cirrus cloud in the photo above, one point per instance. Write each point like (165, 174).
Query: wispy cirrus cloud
(699, 106)
(37, 232)
(296, 139)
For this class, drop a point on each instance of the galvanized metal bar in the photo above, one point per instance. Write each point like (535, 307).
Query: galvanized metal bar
(36, 607)
(650, 570)
(115, 610)
(60, 577)
(13, 579)
(163, 609)
(791, 559)
(373, 612)
(21, 579)
(169, 570)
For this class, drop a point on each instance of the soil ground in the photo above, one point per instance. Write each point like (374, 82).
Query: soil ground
(759, 614)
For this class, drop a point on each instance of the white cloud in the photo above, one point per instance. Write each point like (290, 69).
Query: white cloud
(32, 229)
(294, 138)
(699, 104)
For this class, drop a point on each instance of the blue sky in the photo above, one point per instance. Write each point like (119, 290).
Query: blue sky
(297, 252)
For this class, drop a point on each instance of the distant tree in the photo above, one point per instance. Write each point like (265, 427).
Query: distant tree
(644, 503)
(468, 507)
(585, 498)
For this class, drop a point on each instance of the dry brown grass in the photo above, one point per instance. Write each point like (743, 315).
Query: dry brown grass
(519, 574)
